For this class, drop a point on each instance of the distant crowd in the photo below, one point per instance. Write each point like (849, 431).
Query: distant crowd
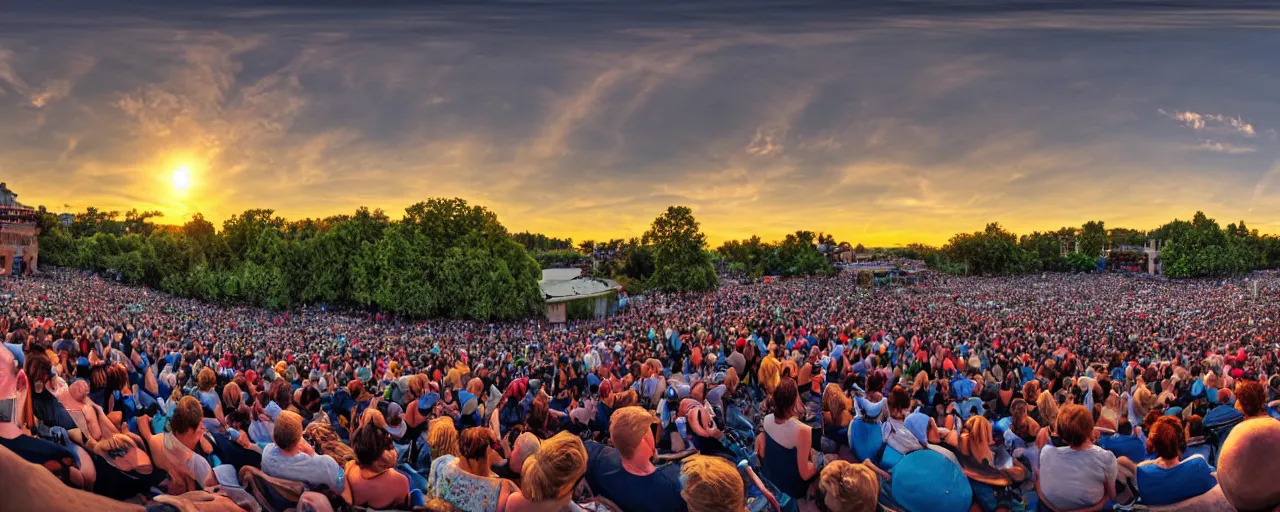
(1048, 392)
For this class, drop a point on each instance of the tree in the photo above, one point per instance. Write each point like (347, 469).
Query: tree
(136, 222)
(992, 251)
(1202, 249)
(1047, 249)
(1093, 238)
(681, 261)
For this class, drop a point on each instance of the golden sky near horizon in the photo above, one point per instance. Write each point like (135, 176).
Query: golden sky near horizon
(890, 128)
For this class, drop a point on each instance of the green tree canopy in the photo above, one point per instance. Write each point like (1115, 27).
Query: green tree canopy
(681, 261)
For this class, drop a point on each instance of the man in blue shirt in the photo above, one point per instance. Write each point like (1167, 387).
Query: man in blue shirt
(1124, 444)
(626, 475)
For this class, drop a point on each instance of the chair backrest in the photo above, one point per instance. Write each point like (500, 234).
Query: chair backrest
(274, 494)
(1205, 450)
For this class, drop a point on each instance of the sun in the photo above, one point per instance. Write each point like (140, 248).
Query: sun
(181, 178)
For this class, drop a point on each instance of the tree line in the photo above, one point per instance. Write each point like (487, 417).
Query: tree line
(797, 254)
(443, 258)
(1196, 248)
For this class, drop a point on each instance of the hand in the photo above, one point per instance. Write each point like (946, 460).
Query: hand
(244, 441)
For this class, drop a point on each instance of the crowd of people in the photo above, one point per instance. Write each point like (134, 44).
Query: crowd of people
(1047, 392)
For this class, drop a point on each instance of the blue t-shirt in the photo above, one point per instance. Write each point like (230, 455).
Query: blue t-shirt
(1160, 486)
(656, 492)
(1125, 446)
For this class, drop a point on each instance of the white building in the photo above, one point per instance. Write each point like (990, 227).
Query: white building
(568, 293)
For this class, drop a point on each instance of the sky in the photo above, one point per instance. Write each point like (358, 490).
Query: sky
(882, 123)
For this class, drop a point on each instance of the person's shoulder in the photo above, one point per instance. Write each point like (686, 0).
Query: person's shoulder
(1198, 462)
(1102, 453)
(595, 449)
(667, 475)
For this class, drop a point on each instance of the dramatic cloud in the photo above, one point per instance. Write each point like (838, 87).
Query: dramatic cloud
(881, 125)
(1211, 122)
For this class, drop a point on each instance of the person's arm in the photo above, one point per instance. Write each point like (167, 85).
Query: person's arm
(347, 495)
(804, 445)
(760, 446)
(504, 493)
(244, 442)
(149, 382)
(1109, 482)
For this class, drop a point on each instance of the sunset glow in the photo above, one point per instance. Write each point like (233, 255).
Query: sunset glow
(878, 126)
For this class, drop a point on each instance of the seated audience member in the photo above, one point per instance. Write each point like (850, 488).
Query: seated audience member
(292, 458)
(1080, 475)
(175, 451)
(468, 481)
(442, 438)
(1197, 444)
(785, 447)
(712, 484)
(26, 487)
(625, 473)
(1249, 463)
(14, 434)
(1123, 443)
(1170, 478)
(845, 487)
(1251, 399)
(371, 479)
(550, 475)
(526, 446)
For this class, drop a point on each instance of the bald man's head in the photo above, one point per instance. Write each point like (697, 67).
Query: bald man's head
(1249, 463)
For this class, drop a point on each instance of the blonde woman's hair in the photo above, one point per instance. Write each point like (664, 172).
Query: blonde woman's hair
(711, 484)
(770, 374)
(979, 442)
(552, 473)
(854, 486)
(442, 437)
(834, 401)
(1048, 407)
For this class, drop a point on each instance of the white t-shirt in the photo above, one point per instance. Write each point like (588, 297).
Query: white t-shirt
(316, 471)
(1072, 479)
